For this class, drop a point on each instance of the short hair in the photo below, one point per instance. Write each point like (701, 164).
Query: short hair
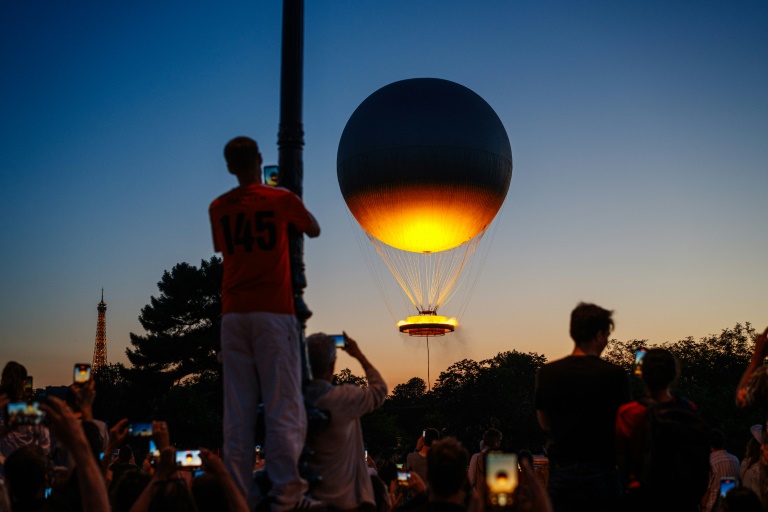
(447, 462)
(209, 493)
(587, 320)
(492, 438)
(660, 368)
(741, 499)
(430, 436)
(25, 469)
(125, 453)
(128, 489)
(12, 380)
(241, 153)
(716, 439)
(525, 455)
(322, 353)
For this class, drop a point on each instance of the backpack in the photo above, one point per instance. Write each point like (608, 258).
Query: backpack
(677, 450)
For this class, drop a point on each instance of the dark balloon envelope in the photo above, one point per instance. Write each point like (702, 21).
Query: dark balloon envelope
(424, 165)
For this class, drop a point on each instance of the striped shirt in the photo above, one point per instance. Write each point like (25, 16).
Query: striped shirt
(722, 464)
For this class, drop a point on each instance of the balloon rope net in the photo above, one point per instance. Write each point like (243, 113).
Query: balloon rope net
(428, 279)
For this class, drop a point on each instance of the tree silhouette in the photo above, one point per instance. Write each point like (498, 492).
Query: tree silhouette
(183, 324)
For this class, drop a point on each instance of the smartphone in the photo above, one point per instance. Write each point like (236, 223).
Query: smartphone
(140, 429)
(339, 339)
(82, 373)
(198, 472)
(500, 478)
(423, 433)
(271, 175)
(29, 391)
(366, 456)
(258, 450)
(402, 478)
(24, 413)
(153, 449)
(639, 355)
(189, 459)
(726, 484)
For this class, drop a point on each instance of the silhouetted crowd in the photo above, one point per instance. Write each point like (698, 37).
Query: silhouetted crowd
(605, 452)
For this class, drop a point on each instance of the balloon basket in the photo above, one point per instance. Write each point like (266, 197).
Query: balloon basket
(427, 325)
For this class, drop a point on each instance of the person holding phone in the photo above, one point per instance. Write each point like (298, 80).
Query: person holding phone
(416, 462)
(662, 444)
(12, 384)
(476, 471)
(753, 392)
(339, 453)
(260, 344)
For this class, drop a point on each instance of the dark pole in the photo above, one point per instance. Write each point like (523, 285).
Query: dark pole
(290, 141)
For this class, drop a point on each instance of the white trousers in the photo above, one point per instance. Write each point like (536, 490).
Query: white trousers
(262, 363)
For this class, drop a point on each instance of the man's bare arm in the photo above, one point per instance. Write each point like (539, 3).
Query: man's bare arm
(313, 230)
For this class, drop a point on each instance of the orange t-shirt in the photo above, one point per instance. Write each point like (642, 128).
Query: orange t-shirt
(250, 229)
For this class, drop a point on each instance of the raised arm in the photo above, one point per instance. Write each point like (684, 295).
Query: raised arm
(377, 388)
(313, 230)
(744, 396)
(66, 426)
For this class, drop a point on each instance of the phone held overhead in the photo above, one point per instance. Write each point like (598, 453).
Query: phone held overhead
(188, 459)
(501, 472)
(82, 373)
(339, 340)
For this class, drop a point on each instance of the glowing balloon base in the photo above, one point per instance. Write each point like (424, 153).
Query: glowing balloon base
(427, 324)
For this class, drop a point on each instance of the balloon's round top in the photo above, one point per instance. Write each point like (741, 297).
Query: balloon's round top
(424, 164)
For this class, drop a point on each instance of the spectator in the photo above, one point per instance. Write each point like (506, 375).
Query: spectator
(416, 462)
(722, 465)
(577, 398)
(27, 471)
(753, 392)
(662, 445)
(260, 346)
(128, 490)
(740, 499)
(476, 473)
(446, 476)
(213, 484)
(68, 429)
(749, 472)
(339, 454)
(125, 462)
(15, 436)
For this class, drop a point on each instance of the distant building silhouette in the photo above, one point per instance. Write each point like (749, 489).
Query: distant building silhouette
(100, 351)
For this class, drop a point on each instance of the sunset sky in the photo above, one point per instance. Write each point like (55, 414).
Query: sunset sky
(639, 134)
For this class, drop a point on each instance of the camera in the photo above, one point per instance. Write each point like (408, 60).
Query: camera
(339, 340)
(501, 471)
(189, 459)
(82, 373)
(726, 484)
(140, 429)
(25, 413)
(271, 175)
(639, 355)
(29, 391)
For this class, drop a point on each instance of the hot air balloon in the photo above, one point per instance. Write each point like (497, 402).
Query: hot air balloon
(424, 166)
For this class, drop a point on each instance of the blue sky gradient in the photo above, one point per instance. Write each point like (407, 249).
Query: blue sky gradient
(639, 135)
